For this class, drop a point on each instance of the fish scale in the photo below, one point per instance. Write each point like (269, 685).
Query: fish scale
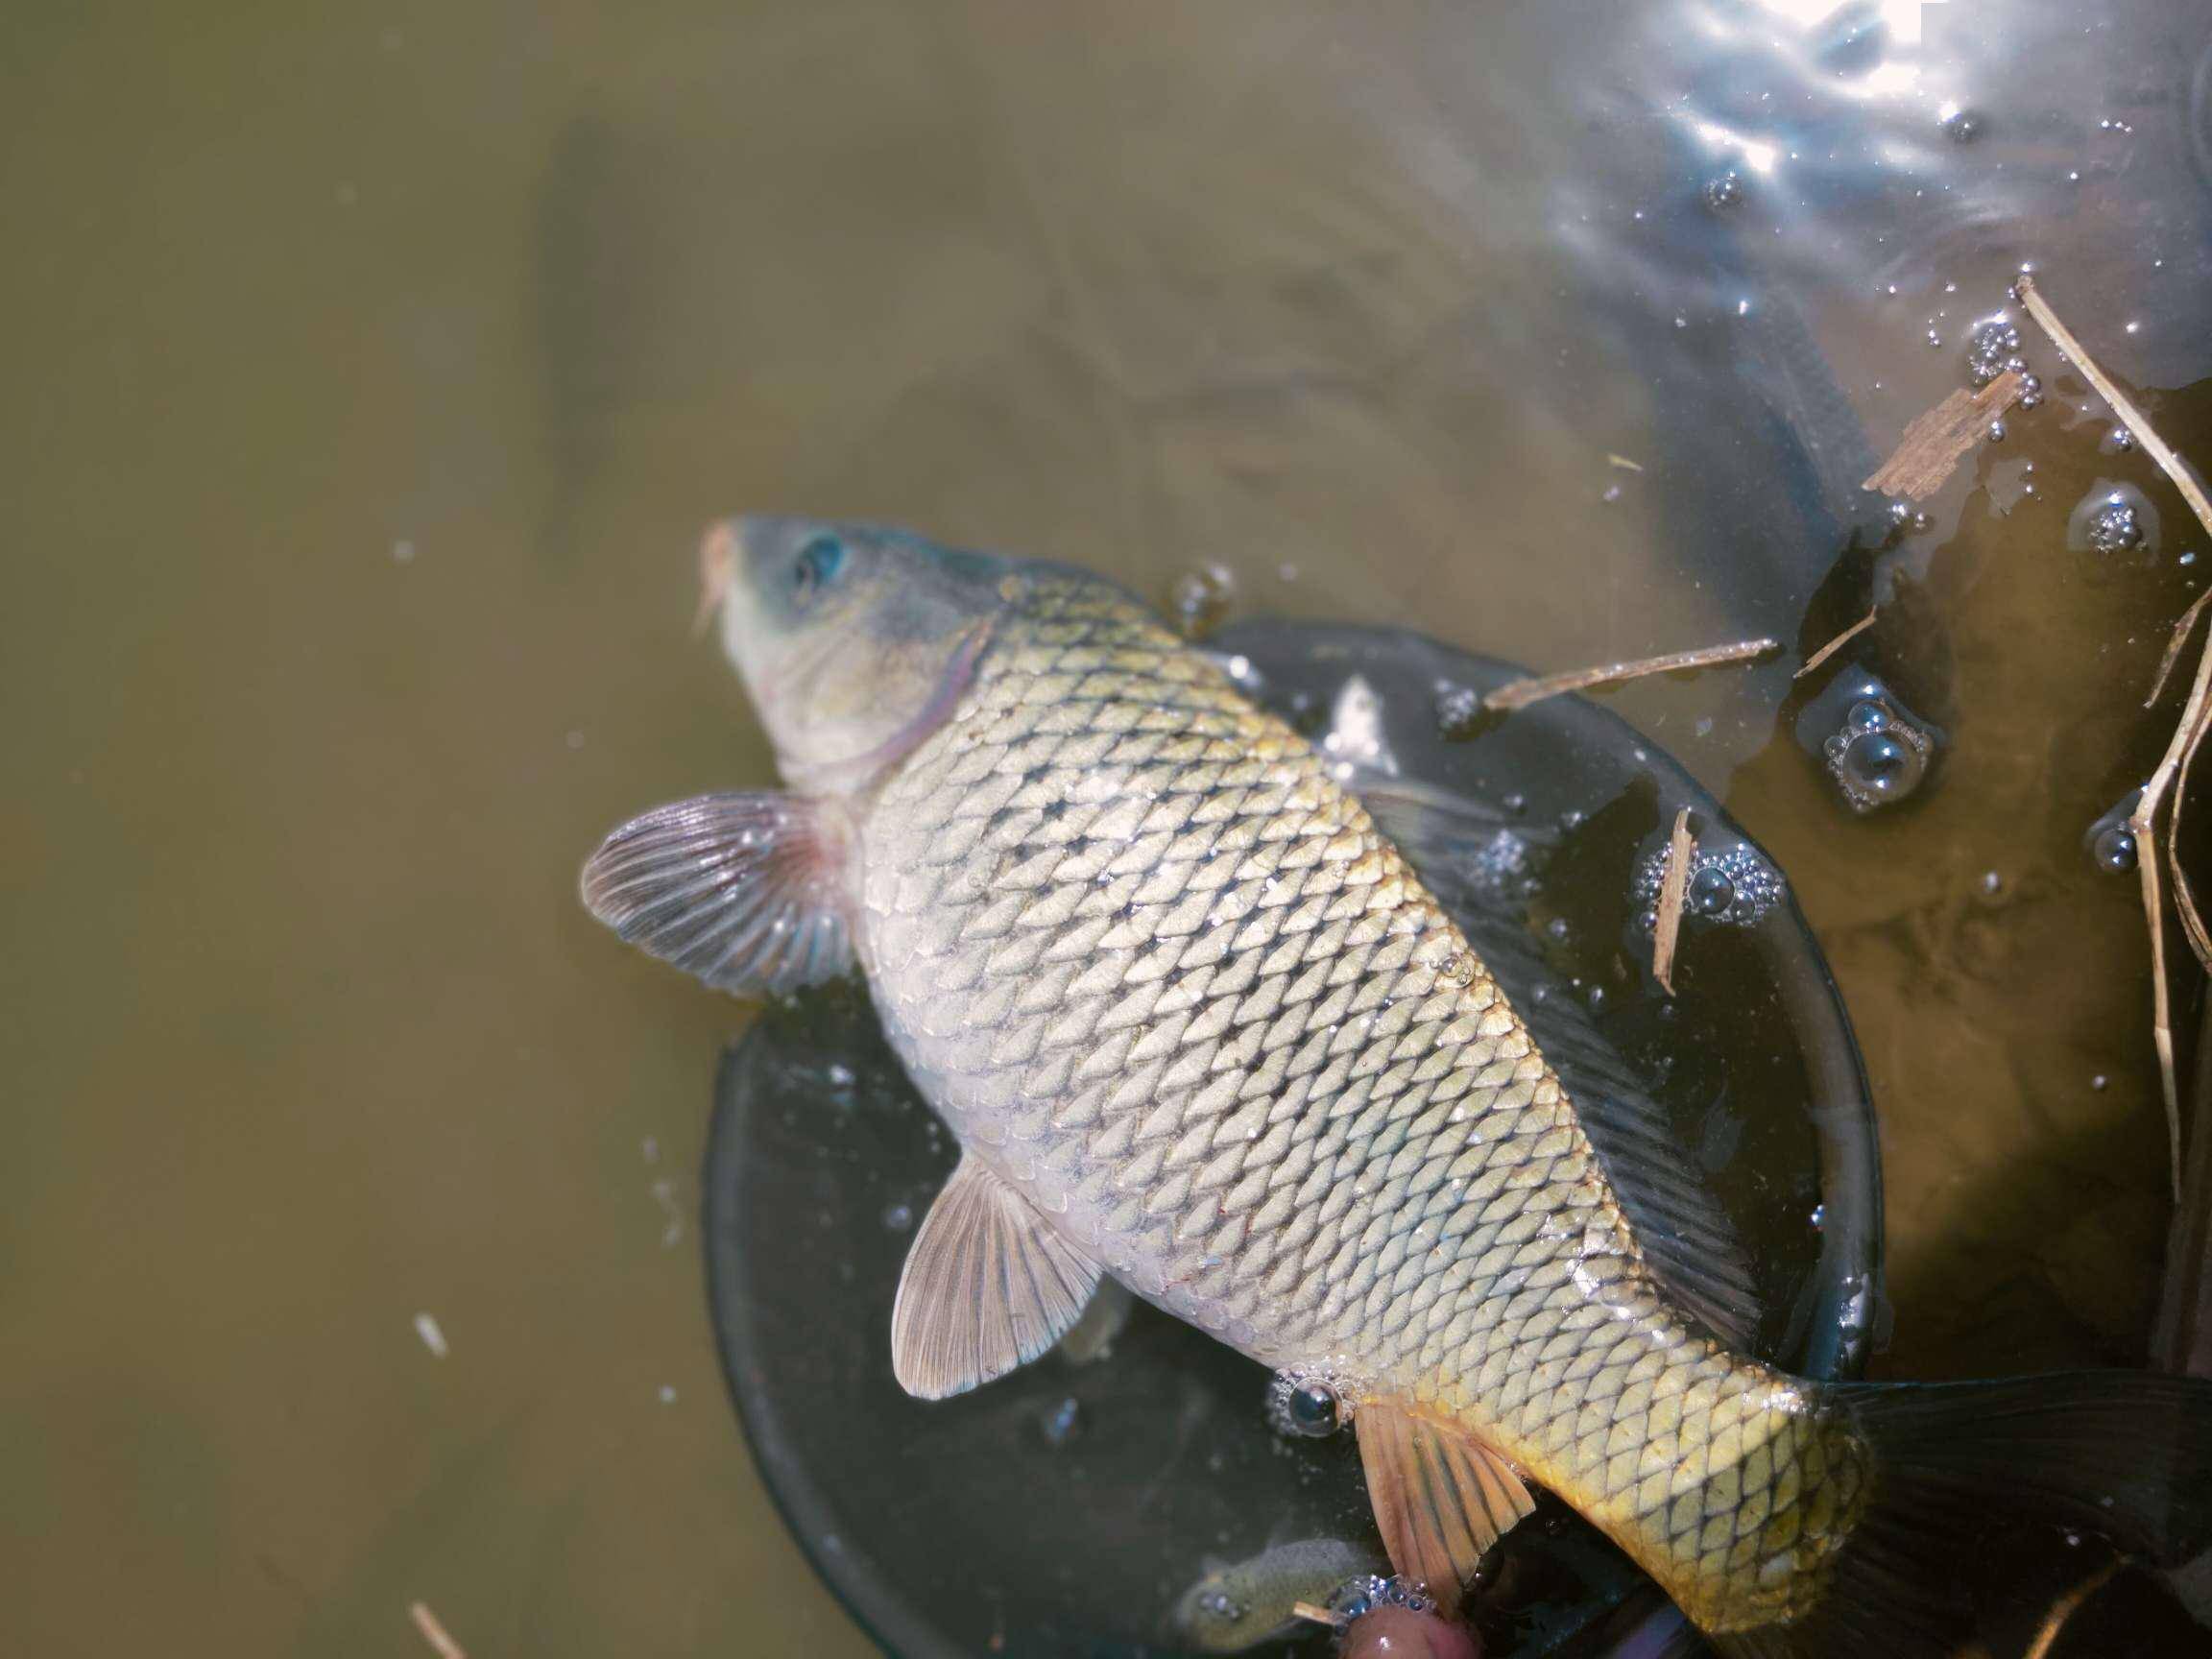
(1163, 974)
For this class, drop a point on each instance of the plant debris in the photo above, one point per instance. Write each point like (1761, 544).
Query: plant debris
(1315, 1614)
(1835, 644)
(2173, 768)
(2130, 417)
(1623, 463)
(2182, 632)
(1520, 693)
(1934, 443)
(1674, 890)
(440, 1641)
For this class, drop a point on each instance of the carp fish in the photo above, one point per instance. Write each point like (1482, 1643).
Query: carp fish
(1200, 1027)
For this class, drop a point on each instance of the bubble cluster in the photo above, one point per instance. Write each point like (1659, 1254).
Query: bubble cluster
(1306, 1406)
(1356, 1598)
(1733, 884)
(1908, 519)
(1504, 865)
(1992, 349)
(1878, 754)
(1459, 710)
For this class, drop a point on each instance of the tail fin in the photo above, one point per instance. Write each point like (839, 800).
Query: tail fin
(2121, 1454)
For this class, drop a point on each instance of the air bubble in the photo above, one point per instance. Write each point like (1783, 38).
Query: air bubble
(2110, 841)
(1711, 891)
(1062, 1420)
(1200, 600)
(1308, 1407)
(1963, 125)
(1724, 192)
(1996, 431)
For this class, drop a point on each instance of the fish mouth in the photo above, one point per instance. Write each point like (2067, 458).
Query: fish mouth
(718, 551)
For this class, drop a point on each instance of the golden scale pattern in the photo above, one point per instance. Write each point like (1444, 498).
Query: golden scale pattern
(1167, 978)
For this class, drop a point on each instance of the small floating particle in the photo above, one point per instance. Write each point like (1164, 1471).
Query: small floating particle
(433, 1338)
(441, 1640)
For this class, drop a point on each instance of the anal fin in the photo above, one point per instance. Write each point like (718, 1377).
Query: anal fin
(1441, 1496)
(987, 1286)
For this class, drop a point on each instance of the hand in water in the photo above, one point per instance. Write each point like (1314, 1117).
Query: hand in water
(1393, 1632)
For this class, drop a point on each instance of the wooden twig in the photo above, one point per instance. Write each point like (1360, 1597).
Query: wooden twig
(2182, 632)
(1520, 693)
(1674, 890)
(1319, 1615)
(440, 1641)
(1835, 644)
(2184, 900)
(2173, 765)
(1934, 441)
(2069, 1604)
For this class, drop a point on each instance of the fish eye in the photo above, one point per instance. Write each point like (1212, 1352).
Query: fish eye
(817, 564)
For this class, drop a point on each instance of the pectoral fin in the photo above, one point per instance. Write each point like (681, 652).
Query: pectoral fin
(741, 890)
(1441, 1496)
(988, 1285)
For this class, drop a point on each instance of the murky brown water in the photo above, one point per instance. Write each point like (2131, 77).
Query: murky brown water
(372, 377)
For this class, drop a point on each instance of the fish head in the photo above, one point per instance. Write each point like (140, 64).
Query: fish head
(853, 642)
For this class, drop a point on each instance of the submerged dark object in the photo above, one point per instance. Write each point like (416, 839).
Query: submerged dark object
(1067, 1508)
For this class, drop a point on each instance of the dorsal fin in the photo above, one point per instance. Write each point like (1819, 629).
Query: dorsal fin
(1686, 1237)
(987, 1286)
(1440, 1496)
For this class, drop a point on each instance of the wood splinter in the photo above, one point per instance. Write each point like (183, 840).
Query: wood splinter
(1835, 644)
(1520, 693)
(1314, 1613)
(1674, 890)
(1935, 442)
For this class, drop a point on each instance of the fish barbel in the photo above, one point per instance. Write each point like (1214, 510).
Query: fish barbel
(1199, 1026)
